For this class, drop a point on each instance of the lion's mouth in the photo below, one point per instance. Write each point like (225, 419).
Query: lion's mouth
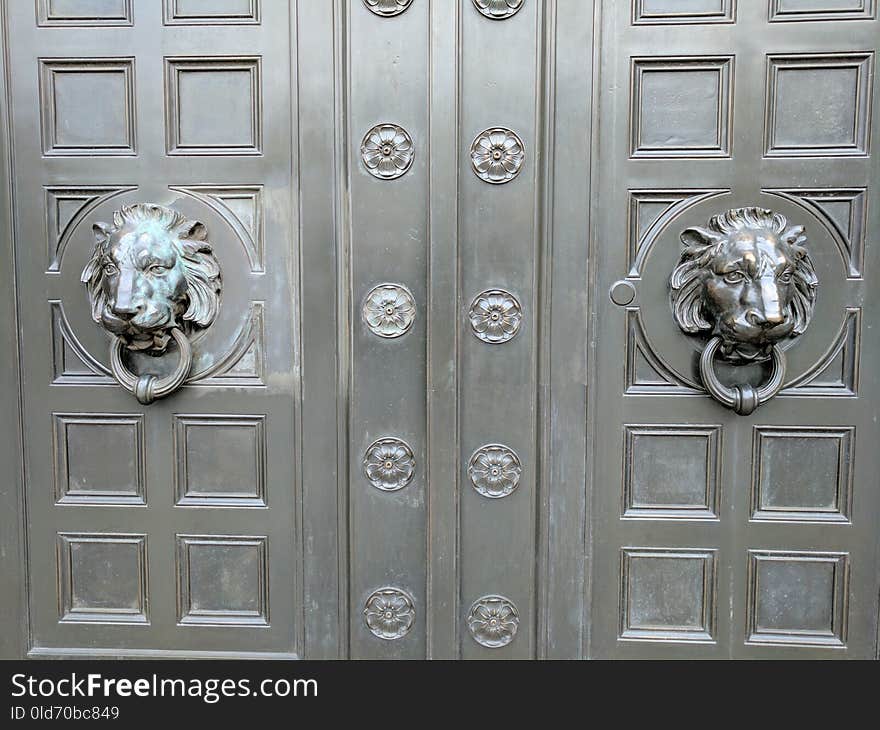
(140, 332)
(744, 341)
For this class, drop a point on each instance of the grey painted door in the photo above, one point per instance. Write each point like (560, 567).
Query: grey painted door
(717, 534)
(444, 408)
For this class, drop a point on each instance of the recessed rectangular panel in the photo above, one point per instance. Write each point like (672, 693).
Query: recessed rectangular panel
(680, 106)
(794, 10)
(212, 12)
(87, 106)
(797, 598)
(802, 474)
(674, 12)
(83, 12)
(99, 459)
(102, 578)
(671, 472)
(818, 105)
(667, 594)
(220, 460)
(213, 106)
(223, 580)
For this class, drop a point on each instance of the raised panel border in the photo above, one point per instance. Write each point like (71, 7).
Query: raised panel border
(850, 242)
(727, 14)
(840, 608)
(46, 19)
(67, 613)
(723, 65)
(48, 68)
(172, 15)
(707, 511)
(174, 65)
(846, 438)
(204, 499)
(89, 197)
(668, 634)
(863, 61)
(187, 616)
(863, 10)
(64, 496)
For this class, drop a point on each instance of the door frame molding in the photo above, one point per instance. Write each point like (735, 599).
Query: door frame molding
(13, 509)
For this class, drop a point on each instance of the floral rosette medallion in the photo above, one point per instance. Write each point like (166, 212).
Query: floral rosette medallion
(494, 470)
(497, 155)
(495, 316)
(493, 621)
(498, 9)
(387, 151)
(389, 613)
(389, 464)
(387, 8)
(389, 310)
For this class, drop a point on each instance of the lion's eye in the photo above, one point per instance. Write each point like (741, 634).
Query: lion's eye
(734, 277)
(158, 269)
(785, 278)
(110, 269)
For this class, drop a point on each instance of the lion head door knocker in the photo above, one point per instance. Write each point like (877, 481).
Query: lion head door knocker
(152, 278)
(746, 281)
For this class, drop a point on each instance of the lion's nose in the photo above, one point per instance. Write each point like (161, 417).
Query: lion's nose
(125, 309)
(757, 318)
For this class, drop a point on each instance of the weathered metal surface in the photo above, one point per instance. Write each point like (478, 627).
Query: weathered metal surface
(449, 402)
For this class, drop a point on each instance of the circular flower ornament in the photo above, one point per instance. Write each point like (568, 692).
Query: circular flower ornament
(494, 470)
(389, 464)
(497, 155)
(389, 613)
(387, 151)
(389, 310)
(498, 9)
(495, 316)
(387, 7)
(493, 621)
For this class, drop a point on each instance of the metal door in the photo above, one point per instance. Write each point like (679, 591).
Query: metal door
(170, 528)
(719, 533)
(438, 402)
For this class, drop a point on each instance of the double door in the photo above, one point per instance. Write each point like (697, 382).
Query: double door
(444, 408)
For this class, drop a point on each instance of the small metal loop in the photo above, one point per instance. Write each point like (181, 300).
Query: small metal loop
(746, 400)
(143, 389)
(742, 399)
(148, 388)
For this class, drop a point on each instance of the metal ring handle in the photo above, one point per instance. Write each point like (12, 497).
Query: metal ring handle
(743, 399)
(147, 388)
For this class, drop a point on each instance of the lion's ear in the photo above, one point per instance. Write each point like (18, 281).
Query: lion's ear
(796, 237)
(196, 231)
(698, 237)
(102, 232)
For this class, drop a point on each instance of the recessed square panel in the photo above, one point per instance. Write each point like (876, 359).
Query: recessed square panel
(794, 10)
(99, 459)
(671, 472)
(212, 12)
(223, 580)
(87, 106)
(797, 598)
(84, 12)
(667, 594)
(221, 460)
(213, 106)
(675, 12)
(680, 107)
(818, 105)
(102, 578)
(802, 474)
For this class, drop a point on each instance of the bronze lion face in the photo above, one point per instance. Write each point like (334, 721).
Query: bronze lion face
(152, 270)
(747, 278)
